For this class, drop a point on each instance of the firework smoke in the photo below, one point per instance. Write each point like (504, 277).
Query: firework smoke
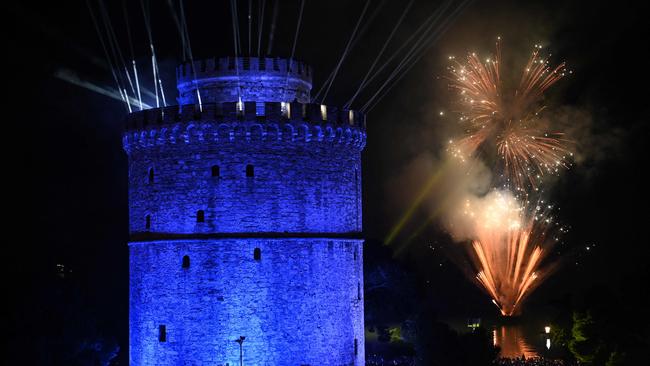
(506, 239)
(507, 120)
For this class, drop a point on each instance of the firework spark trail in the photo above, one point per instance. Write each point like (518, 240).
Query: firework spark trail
(490, 111)
(510, 242)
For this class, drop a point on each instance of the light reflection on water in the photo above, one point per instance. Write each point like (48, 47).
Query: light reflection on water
(513, 341)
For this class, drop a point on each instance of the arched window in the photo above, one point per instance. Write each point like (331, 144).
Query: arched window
(147, 222)
(358, 291)
(162, 333)
(250, 172)
(215, 170)
(151, 174)
(200, 216)
(356, 346)
(186, 261)
(257, 254)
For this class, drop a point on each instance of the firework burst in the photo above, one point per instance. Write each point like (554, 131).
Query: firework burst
(510, 242)
(508, 120)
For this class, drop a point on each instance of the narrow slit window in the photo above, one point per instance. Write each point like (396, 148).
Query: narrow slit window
(162, 333)
(186, 262)
(151, 175)
(250, 170)
(257, 254)
(200, 216)
(147, 222)
(215, 170)
(358, 291)
(356, 347)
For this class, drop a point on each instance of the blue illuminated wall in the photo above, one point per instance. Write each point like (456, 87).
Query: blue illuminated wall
(214, 185)
(299, 304)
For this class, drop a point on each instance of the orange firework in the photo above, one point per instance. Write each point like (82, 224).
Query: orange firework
(509, 118)
(510, 241)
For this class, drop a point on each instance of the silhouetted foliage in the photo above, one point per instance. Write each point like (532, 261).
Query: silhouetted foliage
(610, 327)
(404, 323)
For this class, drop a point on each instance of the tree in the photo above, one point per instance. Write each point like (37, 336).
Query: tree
(585, 344)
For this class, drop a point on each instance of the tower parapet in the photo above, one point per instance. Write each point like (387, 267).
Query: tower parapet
(232, 79)
(261, 112)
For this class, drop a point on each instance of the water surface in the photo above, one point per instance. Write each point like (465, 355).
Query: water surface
(514, 341)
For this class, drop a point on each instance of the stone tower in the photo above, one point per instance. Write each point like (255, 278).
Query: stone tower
(245, 221)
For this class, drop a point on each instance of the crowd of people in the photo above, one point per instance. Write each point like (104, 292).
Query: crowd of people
(531, 361)
(379, 360)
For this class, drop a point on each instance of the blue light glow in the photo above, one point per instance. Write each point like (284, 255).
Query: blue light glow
(299, 302)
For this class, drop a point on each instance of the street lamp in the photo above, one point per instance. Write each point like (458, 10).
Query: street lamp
(241, 349)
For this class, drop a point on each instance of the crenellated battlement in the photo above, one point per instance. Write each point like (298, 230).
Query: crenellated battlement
(226, 123)
(213, 131)
(224, 66)
(247, 111)
(231, 79)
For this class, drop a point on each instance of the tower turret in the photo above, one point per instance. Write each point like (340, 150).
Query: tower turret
(245, 220)
(230, 79)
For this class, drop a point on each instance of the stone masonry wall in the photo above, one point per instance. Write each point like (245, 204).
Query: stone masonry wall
(224, 89)
(297, 187)
(301, 303)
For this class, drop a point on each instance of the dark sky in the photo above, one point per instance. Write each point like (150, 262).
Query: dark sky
(78, 185)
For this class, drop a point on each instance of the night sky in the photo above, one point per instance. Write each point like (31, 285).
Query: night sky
(76, 183)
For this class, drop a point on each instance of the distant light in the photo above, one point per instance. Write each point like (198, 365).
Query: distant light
(548, 343)
(285, 108)
(442, 113)
(547, 329)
